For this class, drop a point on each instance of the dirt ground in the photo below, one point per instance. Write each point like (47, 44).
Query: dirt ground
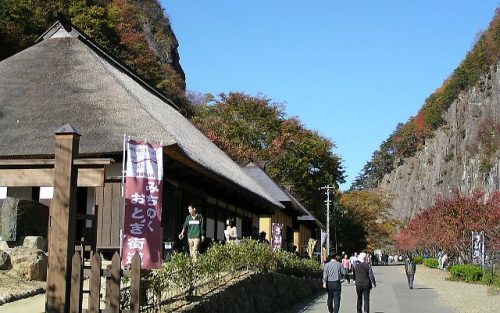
(12, 285)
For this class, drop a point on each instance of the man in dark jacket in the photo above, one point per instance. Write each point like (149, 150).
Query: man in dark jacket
(365, 281)
(332, 273)
(410, 269)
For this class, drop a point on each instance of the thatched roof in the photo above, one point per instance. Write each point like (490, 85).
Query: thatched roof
(66, 78)
(254, 170)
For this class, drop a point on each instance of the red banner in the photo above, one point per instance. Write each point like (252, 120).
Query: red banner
(143, 202)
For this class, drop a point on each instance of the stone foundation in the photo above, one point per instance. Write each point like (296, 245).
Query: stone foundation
(263, 293)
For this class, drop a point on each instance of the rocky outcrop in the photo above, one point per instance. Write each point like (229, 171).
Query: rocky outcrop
(463, 155)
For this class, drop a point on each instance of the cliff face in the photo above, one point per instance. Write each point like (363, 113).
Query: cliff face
(463, 156)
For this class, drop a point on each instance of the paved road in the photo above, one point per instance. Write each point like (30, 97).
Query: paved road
(391, 295)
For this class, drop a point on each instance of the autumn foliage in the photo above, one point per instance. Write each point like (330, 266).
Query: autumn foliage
(448, 224)
(409, 137)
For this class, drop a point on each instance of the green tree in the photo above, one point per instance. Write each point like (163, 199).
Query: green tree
(255, 127)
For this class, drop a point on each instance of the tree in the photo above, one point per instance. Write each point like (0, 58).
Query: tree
(370, 209)
(255, 127)
(449, 222)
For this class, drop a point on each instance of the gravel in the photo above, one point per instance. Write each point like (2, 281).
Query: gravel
(461, 297)
(13, 287)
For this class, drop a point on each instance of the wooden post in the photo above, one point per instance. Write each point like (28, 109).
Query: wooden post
(62, 221)
(95, 283)
(135, 284)
(76, 284)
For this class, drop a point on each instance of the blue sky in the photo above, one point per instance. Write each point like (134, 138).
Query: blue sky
(351, 70)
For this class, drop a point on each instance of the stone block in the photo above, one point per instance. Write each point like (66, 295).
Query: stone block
(4, 246)
(35, 242)
(23, 218)
(4, 260)
(29, 263)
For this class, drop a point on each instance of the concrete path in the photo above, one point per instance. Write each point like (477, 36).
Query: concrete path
(391, 295)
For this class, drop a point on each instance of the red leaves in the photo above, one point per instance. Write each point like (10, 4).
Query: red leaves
(448, 224)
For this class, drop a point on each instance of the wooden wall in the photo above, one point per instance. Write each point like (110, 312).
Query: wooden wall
(109, 215)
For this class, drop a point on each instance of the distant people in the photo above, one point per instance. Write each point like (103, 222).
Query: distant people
(365, 281)
(194, 227)
(374, 259)
(332, 273)
(346, 264)
(444, 261)
(440, 259)
(410, 269)
(353, 259)
(231, 233)
(426, 255)
(262, 237)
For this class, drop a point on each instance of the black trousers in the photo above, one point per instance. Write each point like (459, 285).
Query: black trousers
(333, 288)
(410, 280)
(363, 292)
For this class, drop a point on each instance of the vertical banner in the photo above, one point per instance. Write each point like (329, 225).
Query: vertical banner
(324, 253)
(277, 236)
(478, 247)
(143, 202)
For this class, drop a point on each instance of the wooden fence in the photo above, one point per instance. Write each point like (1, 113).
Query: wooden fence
(113, 276)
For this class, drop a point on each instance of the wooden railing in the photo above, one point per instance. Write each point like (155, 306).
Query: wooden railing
(113, 277)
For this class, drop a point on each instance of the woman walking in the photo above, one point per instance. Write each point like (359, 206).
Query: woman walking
(346, 264)
(365, 281)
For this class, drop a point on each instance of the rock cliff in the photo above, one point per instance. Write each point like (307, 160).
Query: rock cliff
(463, 155)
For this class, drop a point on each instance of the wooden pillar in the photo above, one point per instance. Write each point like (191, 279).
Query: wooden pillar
(62, 221)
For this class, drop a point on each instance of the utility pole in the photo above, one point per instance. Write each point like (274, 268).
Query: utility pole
(327, 192)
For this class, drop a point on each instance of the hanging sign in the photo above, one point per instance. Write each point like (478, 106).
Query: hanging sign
(143, 203)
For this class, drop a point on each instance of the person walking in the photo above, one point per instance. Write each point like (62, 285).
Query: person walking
(365, 281)
(332, 273)
(410, 268)
(346, 264)
(231, 233)
(195, 230)
(354, 259)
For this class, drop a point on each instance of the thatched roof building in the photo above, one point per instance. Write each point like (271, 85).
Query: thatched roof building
(67, 78)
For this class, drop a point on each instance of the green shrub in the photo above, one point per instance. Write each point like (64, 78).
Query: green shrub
(467, 272)
(431, 263)
(491, 278)
(418, 259)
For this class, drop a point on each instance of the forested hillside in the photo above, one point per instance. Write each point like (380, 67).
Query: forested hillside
(135, 31)
(452, 145)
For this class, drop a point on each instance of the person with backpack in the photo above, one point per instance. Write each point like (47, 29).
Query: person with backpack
(410, 268)
(365, 281)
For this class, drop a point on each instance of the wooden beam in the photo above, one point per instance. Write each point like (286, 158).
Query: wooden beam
(44, 177)
(24, 163)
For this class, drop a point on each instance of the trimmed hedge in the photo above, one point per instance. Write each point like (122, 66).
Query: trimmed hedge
(418, 259)
(431, 263)
(467, 272)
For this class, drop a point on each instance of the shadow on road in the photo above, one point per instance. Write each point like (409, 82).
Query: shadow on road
(305, 305)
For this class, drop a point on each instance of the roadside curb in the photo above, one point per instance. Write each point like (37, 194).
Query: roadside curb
(22, 295)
